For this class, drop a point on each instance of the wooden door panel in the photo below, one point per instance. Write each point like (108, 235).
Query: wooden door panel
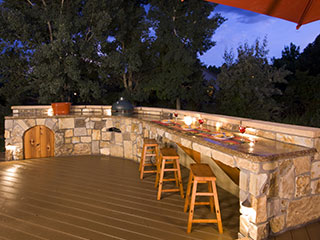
(46, 142)
(30, 139)
(38, 142)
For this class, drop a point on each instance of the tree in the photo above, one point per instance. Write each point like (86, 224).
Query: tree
(131, 41)
(310, 58)
(288, 59)
(63, 40)
(183, 30)
(13, 62)
(246, 86)
(301, 94)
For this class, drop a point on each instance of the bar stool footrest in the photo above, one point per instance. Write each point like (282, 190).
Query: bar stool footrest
(149, 164)
(202, 203)
(169, 180)
(171, 190)
(170, 170)
(204, 194)
(204, 221)
(150, 171)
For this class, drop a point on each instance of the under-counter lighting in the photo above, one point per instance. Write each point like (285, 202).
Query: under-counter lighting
(251, 149)
(251, 144)
(247, 210)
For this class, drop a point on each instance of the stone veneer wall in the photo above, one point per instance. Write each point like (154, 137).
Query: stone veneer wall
(283, 193)
(81, 135)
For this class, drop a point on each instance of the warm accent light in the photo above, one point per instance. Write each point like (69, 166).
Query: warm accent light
(251, 130)
(188, 120)
(248, 211)
(108, 112)
(50, 112)
(11, 148)
(194, 120)
(10, 152)
(218, 126)
(11, 171)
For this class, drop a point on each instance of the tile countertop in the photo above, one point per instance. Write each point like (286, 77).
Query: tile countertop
(261, 150)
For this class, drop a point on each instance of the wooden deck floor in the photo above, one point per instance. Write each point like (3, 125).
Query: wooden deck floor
(309, 232)
(96, 197)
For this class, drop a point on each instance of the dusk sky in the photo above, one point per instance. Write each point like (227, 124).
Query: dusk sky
(245, 26)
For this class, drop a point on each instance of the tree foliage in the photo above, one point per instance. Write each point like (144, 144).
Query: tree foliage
(87, 51)
(128, 58)
(63, 40)
(301, 93)
(182, 30)
(246, 85)
(309, 60)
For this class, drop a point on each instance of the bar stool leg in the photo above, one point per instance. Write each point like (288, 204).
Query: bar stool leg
(179, 178)
(211, 198)
(191, 210)
(142, 161)
(216, 203)
(175, 173)
(142, 158)
(159, 160)
(161, 178)
(187, 201)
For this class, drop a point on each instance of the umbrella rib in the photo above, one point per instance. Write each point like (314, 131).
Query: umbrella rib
(305, 11)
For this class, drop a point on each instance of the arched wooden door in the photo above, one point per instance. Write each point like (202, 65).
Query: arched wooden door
(38, 142)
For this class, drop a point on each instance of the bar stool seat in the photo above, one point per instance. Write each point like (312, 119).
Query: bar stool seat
(150, 149)
(202, 173)
(168, 156)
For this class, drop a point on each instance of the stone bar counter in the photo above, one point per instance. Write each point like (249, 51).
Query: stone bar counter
(279, 185)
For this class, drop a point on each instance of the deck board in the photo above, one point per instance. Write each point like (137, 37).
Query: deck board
(313, 231)
(98, 197)
(300, 233)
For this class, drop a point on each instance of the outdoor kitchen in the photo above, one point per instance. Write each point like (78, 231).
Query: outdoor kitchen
(279, 170)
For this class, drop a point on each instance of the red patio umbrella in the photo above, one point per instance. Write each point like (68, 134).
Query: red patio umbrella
(298, 11)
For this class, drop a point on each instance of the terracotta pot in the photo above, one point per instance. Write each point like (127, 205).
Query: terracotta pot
(61, 108)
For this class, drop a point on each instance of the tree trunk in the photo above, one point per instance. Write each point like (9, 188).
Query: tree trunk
(124, 78)
(178, 104)
(130, 81)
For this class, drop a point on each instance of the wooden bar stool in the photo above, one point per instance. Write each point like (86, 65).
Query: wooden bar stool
(168, 156)
(150, 149)
(202, 173)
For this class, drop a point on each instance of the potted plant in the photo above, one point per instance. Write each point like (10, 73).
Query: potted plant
(61, 108)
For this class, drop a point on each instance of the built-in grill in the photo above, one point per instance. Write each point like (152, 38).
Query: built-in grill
(122, 108)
